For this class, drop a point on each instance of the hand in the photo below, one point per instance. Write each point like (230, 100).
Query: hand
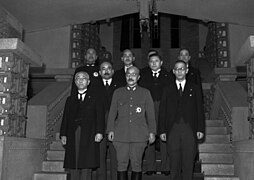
(163, 137)
(151, 138)
(98, 137)
(63, 140)
(200, 135)
(111, 136)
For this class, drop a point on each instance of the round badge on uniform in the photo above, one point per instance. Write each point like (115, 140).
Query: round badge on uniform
(95, 74)
(138, 110)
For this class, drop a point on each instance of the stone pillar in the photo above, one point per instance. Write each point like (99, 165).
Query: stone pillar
(15, 58)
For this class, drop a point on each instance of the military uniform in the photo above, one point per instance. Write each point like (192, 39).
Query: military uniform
(131, 118)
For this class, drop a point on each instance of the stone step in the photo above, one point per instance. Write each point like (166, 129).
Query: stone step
(221, 178)
(50, 176)
(216, 158)
(219, 139)
(55, 155)
(218, 169)
(205, 147)
(56, 145)
(196, 176)
(216, 130)
(52, 166)
(214, 123)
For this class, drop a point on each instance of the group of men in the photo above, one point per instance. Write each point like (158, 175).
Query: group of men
(130, 112)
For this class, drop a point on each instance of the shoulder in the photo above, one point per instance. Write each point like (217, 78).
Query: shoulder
(143, 90)
(119, 91)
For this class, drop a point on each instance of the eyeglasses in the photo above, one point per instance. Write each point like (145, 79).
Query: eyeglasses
(180, 69)
(131, 74)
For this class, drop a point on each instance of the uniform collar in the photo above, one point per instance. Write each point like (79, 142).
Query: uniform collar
(133, 88)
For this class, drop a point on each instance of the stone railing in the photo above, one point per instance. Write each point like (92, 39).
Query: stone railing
(246, 56)
(45, 112)
(230, 104)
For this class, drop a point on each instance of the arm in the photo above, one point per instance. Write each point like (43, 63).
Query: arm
(100, 119)
(162, 116)
(112, 116)
(150, 115)
(200, 114)
(64, 124)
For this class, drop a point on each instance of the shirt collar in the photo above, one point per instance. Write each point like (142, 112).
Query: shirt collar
(125, 67)
(90, 64)
(156, 71)
(108, 80)
(182, 83)
(82, 91)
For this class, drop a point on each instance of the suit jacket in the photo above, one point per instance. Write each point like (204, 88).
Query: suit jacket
(120, 77)
(131, 115)
(107, 93)
(155, 85)
(193, 112)
(91, 122)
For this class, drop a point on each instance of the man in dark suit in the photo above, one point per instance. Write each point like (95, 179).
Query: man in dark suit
(181, 122)
(82, 129)
(90, 67)
(107, 86)
(155, 78)
(127, 58)
(131, 123)
(193, 73)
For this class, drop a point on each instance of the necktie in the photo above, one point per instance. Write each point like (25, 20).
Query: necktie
(106, 85)
(80, 96)
(180, 89)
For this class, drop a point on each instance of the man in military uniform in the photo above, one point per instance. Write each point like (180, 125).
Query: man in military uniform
(131, 123)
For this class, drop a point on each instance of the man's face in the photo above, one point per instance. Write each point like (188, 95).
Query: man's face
(82, 80)
(155, 63)
(106, 70)
(132, 76)
(128, 58)
(184, 55)
(180, 70)
(91, 56)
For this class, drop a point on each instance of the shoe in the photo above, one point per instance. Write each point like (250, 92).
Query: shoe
(166, 173)
(149, 173)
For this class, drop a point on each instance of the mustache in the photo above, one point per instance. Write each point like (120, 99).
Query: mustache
(130, 79)
(106, 73)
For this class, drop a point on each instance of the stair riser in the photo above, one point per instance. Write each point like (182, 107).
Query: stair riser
(216, 158)
(220, 139)
(215, 147)
(221, 178)
(55, 155)
(218, 169)
(46, 176)
(214, 123)
(53, 166)
(56, 145)
(216, 130)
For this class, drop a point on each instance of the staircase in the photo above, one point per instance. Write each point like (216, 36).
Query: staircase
(216, 152)
(52, 167)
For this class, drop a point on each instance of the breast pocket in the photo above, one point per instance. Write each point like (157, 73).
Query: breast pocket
(122, 107)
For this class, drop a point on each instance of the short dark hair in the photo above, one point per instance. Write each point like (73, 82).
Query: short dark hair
(157, 55)
(180, 61)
